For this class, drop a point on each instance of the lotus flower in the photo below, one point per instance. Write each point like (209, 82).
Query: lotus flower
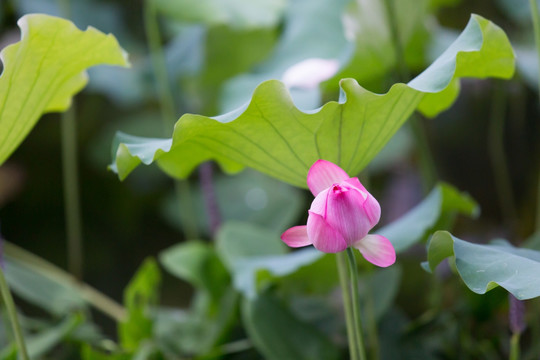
(341, 215)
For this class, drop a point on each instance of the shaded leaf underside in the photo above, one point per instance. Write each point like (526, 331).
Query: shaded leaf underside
(483, 267)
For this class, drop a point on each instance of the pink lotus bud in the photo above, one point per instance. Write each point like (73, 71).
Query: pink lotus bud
(341, 215)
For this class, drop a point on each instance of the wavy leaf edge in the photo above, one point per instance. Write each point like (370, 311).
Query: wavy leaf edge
(349, 88)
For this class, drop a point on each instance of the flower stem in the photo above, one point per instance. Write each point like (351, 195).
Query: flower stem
(353, 277)
(206, 174)
(344, 281)
(514, 346)
(12, 312)
(72, 207)
(168, 112)
(536, 23)
(427, 164)
(497, 152)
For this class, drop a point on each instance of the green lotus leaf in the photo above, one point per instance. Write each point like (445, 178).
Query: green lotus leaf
(271, 135)
(44, 70)
(484, 267)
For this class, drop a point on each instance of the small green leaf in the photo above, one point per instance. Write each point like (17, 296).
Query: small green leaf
(483, 267)
(442, 203)
(271, 135)
(197, 263)
(43, 342)
(140, 294)
(237, 240)
(88, 353)
(197, 330)
(278, 335)
(44, 70)
(255, 255)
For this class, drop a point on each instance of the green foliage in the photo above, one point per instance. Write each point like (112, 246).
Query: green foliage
(483, 267)
(197, 263)
(272, 136)
(44, 70)
(278, 334)
(241, 14)
(436, 211)
(303, 37)
(44, 341)
(88, 353)
(254, 256)
(41, 283)
(140, 294)
(249, 196)
(196, 330)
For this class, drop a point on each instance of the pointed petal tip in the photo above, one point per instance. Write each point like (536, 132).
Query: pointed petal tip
(377, 249)
(323, 174)
(296, 236)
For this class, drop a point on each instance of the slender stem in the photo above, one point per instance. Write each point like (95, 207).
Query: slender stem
(207, 185)
(498, 157)
(401, 66)
(153, 36)
(168, 112)
(72, 207)
(536, 24)
(12, 312)
(344, 280)
(371, 321)
(353, 277)
(427, 164)
(514, 346)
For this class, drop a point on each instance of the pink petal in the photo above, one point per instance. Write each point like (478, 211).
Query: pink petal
(318, 206)
(377, 249)
(372, 210)
(356, 183)
(296, 236)
(323, 236)
(371, 205)
(323, 174)
(345, 212)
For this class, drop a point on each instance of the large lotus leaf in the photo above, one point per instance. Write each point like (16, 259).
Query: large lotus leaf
(236, 13)
(483, 267)
(271, 135)
(44, 70)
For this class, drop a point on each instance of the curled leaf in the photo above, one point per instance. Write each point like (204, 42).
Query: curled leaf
(44, 70)
(483, 267)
